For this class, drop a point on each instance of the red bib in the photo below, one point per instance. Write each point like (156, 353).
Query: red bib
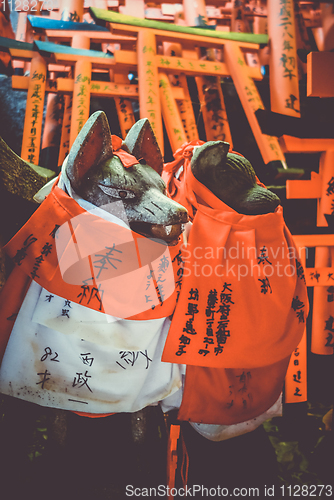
(241, 311)
(77, 255)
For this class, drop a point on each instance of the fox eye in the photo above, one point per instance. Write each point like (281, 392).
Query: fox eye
(120, 194)
(124, 194)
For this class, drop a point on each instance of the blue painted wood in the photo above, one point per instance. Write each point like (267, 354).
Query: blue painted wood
(44, 23)
(9, 43)
(54, 48)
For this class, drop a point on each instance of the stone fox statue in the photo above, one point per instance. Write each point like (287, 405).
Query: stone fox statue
(86, 308)
(243, 302)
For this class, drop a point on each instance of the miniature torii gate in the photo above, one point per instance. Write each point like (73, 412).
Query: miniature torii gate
(83, 61)
(209, 88)
(69, 56)
(319, 277)
(80, 35)
(320, 187)
(149, 33)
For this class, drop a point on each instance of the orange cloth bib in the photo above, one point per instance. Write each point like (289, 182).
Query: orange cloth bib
(60, 270)
(241, 311)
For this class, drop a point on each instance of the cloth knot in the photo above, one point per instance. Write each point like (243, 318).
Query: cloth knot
(187, 149)
(126, 159)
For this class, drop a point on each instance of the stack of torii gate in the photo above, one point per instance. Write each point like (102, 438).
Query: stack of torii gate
(163, 55)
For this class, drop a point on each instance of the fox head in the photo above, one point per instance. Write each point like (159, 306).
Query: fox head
(232, 179)
(98, 175)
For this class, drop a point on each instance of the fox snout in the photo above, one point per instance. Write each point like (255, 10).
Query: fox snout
(161, 217)
(232, 179)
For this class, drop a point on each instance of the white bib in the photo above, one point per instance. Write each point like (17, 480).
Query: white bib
(64, 355)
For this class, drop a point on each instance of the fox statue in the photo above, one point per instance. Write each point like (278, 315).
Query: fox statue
(240, 314)
(85, 313)
(89, 334)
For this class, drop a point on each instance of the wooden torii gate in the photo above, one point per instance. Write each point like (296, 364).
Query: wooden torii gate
(150, 33)
(81, 35)
(321, 188)
(52, 55)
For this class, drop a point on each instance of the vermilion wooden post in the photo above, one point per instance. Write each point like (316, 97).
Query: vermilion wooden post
(71, 10)
(283, 75)
(22, 30)
(327, 19)
(260, 24)
(125, 114)
(52, 125)
(238, 23)
(34, 111)
(326, 201)
(67, 10)
(170, 113)
(81, 91)
(185, 106)
(320, 187)
(251, 101)
(64, 147)
(213, 109)
(124, 108)
(149, 99)
(322, 340)
(194, 12)
(296, 376)
(209, 88)
(323, 306)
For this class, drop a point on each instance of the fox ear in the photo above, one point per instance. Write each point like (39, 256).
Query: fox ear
(142, 143)
(92, 146)
(209, 159)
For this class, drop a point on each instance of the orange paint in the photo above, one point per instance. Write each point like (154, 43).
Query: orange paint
(209, 87)
(304, 189)
(81, 98)
(64, 147)
(326, 201)
(178, 37)
(251, 102)
(323, 304)
(52, 124)
(213, 109)
(184, 105)
(170, 113)
(291, 144)
(149, 100)
(125, 114)
(260, 24)
(71, 10)
(6, 30)
(284, 87)
(296, 376)
(34, 111)
(81, 89)
(172, 455)
(191, 67)
(66, 7)
(194, 12)
(238, 21)
(320, 74)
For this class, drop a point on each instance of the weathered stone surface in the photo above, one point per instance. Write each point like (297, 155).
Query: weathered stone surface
(12, 111)
(20, 177)
(19, 182)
